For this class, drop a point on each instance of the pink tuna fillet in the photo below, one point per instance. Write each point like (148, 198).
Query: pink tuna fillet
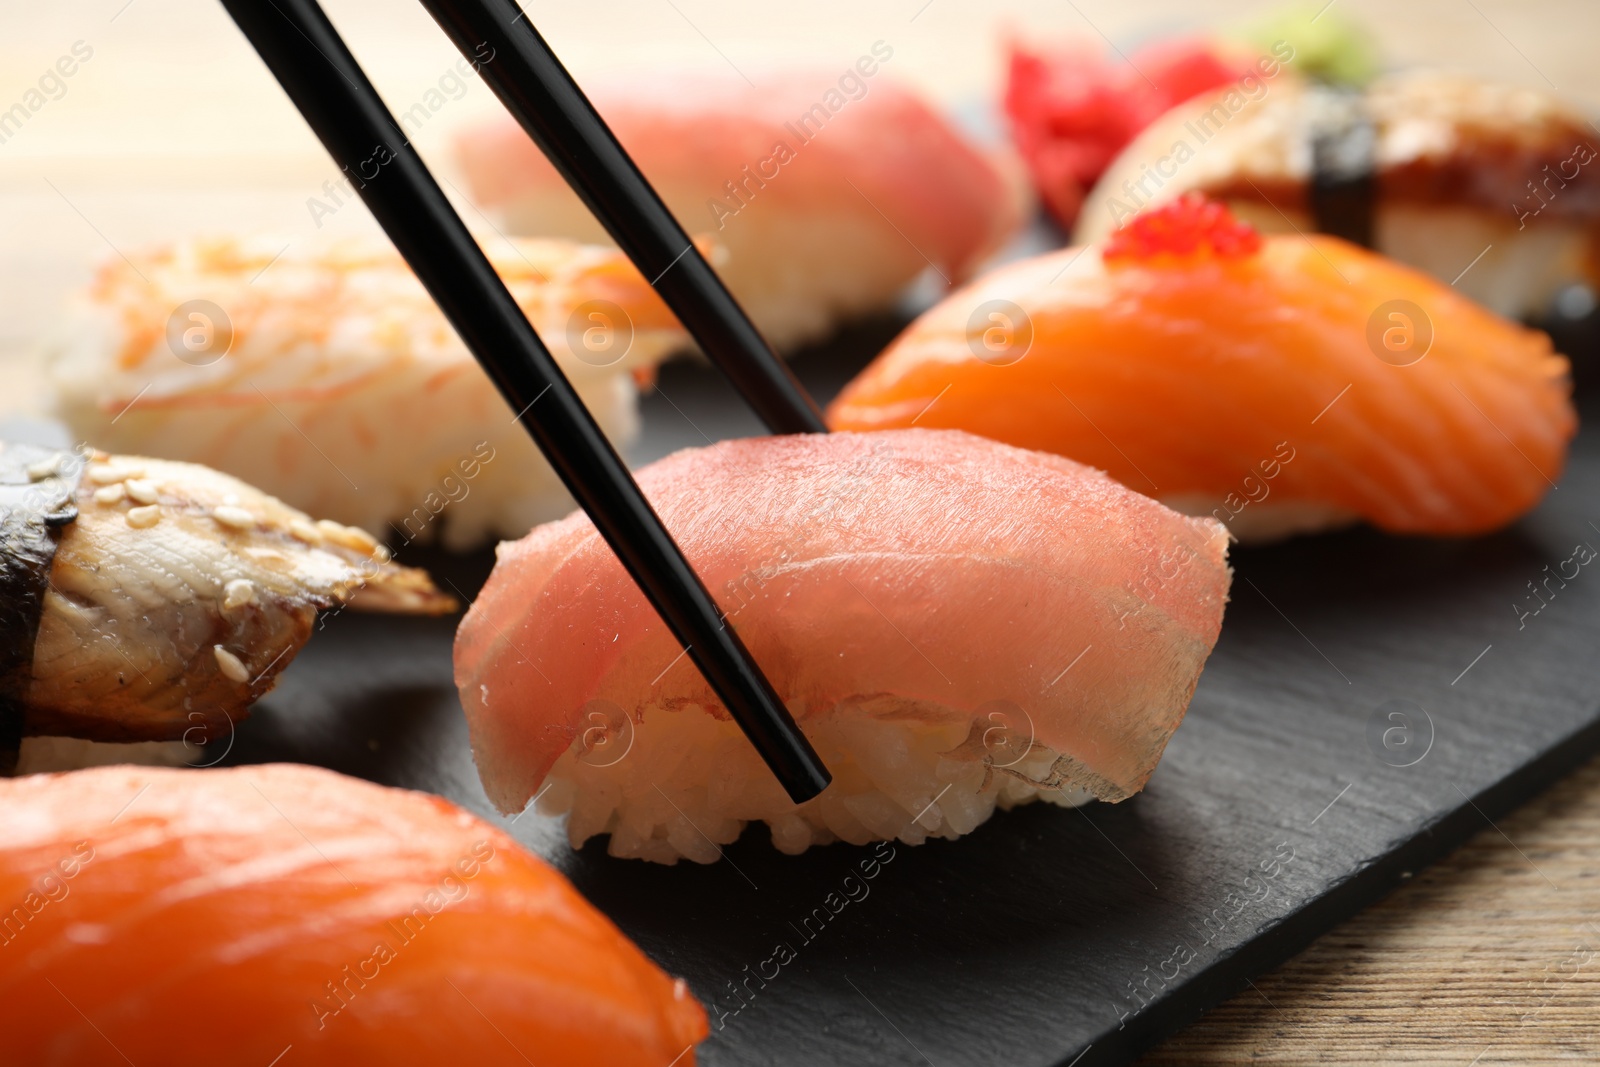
(811, 225)
(933, 567)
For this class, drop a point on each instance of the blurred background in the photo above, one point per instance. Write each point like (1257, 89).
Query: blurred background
(173, 127)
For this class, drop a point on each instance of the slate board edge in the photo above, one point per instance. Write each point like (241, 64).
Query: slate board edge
(1231, 974)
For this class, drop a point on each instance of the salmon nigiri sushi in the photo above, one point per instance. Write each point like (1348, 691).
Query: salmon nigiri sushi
(955, 624)
(285, 914)
(1278, 383)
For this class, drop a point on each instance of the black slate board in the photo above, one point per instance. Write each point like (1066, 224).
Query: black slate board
(1052, 937)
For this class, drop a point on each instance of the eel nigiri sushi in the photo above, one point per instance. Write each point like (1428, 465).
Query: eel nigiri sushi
(328, 377)
(826, 194)
(1278, 383)
(1435, 170)
(955, 624)
(284, 914)
(146, 600)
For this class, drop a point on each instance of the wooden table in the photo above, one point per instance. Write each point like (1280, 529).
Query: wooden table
(173, 127)
(1492, 956)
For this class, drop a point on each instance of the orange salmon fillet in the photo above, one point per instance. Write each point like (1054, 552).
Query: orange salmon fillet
(1182, 377)
(189, 918)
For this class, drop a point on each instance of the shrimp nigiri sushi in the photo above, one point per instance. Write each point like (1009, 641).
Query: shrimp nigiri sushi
(1278, 383)
(285, 914)
(955, 624)
(150, 601)
(826, 193)
(1440, 171)
(324, 374)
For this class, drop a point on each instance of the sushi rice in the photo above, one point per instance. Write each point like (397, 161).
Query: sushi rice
(902, 770)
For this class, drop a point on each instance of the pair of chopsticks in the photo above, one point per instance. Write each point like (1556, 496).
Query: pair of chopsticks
(309, 59)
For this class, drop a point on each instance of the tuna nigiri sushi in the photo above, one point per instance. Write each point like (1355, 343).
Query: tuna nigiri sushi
(324, 374)
(145, 600)
(826, 192)
(1278, 383)
(954, 623)
(1439, 171)
(284, 914)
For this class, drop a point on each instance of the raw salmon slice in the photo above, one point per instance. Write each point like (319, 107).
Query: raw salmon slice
(1278, 383)
(284, 914)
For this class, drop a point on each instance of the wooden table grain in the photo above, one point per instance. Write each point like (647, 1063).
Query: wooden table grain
(1490, 957)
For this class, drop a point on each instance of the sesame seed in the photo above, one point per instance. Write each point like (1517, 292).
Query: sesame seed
(351, 537)
(109, 494)
(145, 517)
(232, 517)
(238, 593)
(231, 666)
(304, 531)
(109, 473)
(142, 491)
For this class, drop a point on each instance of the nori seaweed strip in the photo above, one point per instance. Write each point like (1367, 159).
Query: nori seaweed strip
(37, 488)
(1344, 181)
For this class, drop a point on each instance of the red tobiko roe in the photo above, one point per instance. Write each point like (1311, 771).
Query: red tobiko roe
(1074, 109)
(1188, 226)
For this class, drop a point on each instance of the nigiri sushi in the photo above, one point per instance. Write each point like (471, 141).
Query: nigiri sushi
(1278, 383)
(825, 193)
(1483, 185)
(146, 600)
(326, 376)
(288, 914)
(954, 623)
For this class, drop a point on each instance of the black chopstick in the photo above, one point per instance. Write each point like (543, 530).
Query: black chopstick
(310, 60)
(541, 95)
